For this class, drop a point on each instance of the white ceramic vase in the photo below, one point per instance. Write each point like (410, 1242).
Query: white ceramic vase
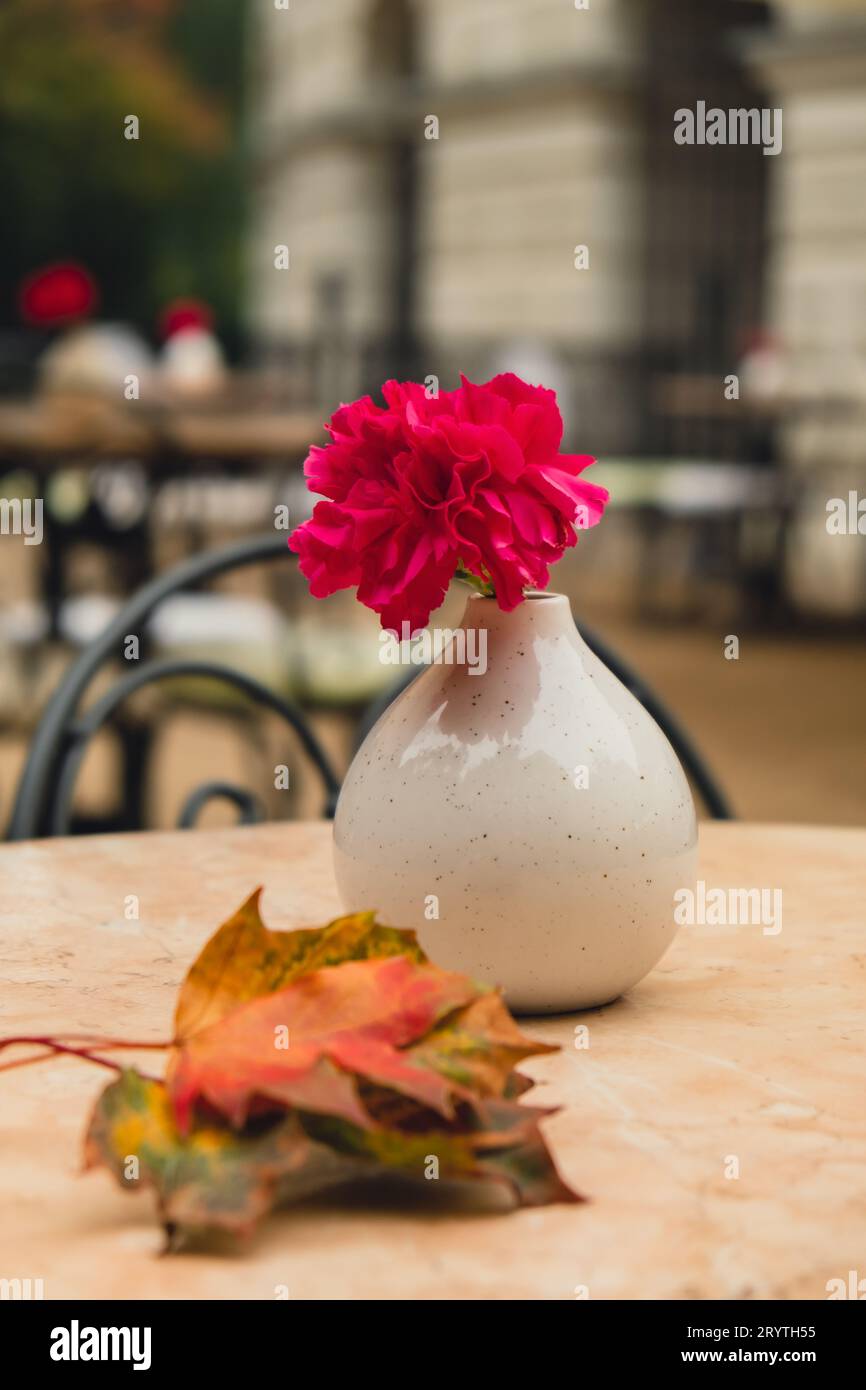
(532, 822)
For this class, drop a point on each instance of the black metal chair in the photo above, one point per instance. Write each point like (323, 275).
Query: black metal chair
(42, 803)
(44, 795)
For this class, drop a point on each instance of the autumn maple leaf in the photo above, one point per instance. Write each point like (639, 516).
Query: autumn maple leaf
(359, 1016)
(306, 1058)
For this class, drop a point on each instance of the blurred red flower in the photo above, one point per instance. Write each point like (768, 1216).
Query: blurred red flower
(57, 294)
(184, 313)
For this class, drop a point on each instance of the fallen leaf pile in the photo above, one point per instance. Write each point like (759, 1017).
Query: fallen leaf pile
(306, 1058)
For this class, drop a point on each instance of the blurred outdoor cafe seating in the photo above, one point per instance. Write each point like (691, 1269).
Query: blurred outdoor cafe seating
(43, 802)
(131, 489)
(128, 489)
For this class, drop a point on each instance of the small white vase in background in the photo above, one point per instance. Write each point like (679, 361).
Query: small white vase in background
(530, 820)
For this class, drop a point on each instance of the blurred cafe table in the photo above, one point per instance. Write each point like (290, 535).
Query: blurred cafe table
(48, 436)
(47, 431)
(715, 1119)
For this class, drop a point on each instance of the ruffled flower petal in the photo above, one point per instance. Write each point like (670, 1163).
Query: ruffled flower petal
(472, 477)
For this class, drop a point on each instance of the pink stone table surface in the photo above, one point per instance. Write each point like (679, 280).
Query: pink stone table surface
(740, 1045)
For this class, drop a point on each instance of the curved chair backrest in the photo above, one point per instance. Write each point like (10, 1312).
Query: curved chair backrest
(697, 770)
(44, 795)
(42, 802)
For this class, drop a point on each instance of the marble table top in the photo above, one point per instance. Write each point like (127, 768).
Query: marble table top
(715, 1116)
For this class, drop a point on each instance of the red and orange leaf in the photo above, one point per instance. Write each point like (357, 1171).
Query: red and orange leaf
(356, 1016)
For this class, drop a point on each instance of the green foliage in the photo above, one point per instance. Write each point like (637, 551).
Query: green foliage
(154, 217)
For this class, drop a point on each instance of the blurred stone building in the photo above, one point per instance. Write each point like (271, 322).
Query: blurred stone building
(478, 184)
(813, 65)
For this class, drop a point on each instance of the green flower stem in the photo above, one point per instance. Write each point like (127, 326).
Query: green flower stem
(481, 586)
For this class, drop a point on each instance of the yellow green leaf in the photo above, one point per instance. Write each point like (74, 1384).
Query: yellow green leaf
(244, 960)
(212, 1177)
(478, 1047)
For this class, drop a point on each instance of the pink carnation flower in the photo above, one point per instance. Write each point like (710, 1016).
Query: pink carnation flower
(470, 479)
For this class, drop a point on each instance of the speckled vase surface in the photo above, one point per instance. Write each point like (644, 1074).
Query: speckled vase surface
(523, 812)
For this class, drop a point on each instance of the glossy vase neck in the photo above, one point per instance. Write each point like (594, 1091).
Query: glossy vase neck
(540, 615)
